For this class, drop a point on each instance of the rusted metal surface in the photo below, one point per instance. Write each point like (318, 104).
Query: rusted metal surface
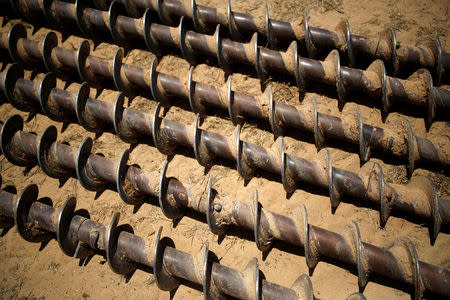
(79, 237)
(418, 90)
(401, 143)
(398, 262)
(313, 41)
(418, 198)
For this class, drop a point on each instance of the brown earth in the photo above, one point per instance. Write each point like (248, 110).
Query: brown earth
(30, 273)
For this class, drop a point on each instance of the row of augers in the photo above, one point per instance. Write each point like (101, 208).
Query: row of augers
(80, 237)
(418, 198)
(399, 262)
(401, 143)
(397, 265)
(418, 90)
(277, 34)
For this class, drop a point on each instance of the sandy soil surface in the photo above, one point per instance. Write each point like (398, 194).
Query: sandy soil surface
(29, 272)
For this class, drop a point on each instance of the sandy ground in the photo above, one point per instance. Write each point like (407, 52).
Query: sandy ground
(29, 272)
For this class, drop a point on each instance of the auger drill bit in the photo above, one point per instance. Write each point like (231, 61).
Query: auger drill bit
(417, 90)
(279, 34)
(418, 198)
(398, 262)
(79, 236)
(401, 143)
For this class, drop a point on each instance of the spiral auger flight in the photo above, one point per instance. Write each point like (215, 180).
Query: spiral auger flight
(278, 34)
(130, 79)
(391, 76)
(398, 262)
(79, 236)
(418, 198)
(418, 90)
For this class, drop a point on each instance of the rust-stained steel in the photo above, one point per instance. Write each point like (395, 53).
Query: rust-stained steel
(418, 90)
(398, 262)
(79, 236)
(130, 79)
(368, 183)
(279, 34)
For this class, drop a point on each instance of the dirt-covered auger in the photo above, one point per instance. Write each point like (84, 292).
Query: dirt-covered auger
(418, 90)
(130, 79)
(313, 41)
(78, 236)
(399, 262)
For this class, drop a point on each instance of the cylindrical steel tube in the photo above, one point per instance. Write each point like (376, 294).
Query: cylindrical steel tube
(417, 90)
(349, 128)
(268, 226)
(177, 264)
(412, 198)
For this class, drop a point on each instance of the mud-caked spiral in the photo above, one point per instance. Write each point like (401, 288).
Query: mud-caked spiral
(164, 87)
(315, 41)
(221, 211)
(367, 184)
(78, 236)
(418, 90)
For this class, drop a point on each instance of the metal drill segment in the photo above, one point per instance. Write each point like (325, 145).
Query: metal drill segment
(417, 90)
(281, 116)
(221, 212)
(124, 250)
(278, 34)
(367, 184)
